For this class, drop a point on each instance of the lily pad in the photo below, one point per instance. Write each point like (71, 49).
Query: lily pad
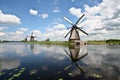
(17, 75)
(97, 76)
(2, 73)
(69, 74)
(60, 79)
(11, 78)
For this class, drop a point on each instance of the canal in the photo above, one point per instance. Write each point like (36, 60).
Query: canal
(20, 61)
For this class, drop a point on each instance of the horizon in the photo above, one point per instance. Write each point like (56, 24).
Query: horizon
(19, 18)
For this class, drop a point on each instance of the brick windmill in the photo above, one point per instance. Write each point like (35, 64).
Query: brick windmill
(74, 31)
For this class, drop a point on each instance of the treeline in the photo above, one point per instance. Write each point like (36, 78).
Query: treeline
(110, 41)
(113, 41)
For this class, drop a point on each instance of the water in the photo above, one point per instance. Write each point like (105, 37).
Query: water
(19, 61)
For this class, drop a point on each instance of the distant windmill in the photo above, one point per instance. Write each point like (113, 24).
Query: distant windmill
(32, 37)
(74, 34)
(26, 38)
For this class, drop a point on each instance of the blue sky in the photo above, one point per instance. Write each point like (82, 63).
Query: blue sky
(45, 18)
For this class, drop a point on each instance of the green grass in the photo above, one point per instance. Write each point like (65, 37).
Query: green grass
(63, 43)
(67, 43)
(100, 42)
(113, 41)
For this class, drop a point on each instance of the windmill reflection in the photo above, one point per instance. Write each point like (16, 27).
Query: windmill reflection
(32, 47)
(75, 54)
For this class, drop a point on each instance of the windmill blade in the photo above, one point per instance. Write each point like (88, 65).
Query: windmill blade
(67, 34)
(80, 19)
(66, 68)
(68, 21)
(78, 66)
(67, 53)
(83, 56)
(81, 30)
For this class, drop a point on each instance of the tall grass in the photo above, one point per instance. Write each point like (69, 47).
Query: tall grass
(63, 43)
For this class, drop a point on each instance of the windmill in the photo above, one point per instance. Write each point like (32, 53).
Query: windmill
(26, 38)
(32, 37)
(74, 34)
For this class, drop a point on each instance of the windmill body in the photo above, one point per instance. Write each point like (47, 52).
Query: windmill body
(74, 35)
(74, 32)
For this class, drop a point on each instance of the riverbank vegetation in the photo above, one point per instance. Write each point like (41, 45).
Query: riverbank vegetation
(66, 43)
(98, 42)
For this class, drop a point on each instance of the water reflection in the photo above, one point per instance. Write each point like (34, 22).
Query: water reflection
(75, 54)
(7, 64)
(57, 62)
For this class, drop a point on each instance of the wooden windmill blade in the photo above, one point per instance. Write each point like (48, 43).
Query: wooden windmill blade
(78, 66)
(66, 19)
(69, 57)
(31, 33)
(68, 33)
(83, 56)
(82, 30)
(80, 19)
(67, 67)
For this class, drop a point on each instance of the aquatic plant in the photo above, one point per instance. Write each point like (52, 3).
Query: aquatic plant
(60, 79)
(97, 76)
(2, 73)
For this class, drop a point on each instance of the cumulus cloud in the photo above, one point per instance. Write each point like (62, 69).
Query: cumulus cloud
(33, 12)
(9, 18)
(44, 15)
(100, 19)
(19, 34)
(54, 32)
(2, 34)
(23, 29)
(75, 11)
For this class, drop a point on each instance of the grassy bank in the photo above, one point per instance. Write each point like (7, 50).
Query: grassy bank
(67, 43)
(63, 43)
(100, 42)
(110, 41)
(113, 41)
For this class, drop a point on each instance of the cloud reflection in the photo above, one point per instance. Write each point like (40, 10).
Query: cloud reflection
(7, 64)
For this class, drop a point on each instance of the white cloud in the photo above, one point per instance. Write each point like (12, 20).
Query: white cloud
(19, 34)
(91, 11)
(76, 12)
(33, 12)
(37, 32)
(44, 15)
(56, 10)
(100, 20)
(2, 34)
(72, 0)
(9, 18)
(55, 32)
(23, 29)
(3, 28)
